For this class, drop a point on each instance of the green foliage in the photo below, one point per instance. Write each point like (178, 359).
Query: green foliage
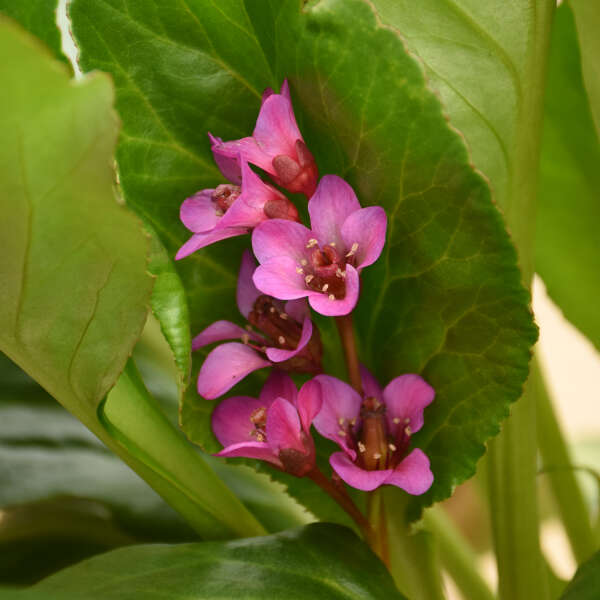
(444, 300)
(586, 583)
(318, 561)
(567, 254)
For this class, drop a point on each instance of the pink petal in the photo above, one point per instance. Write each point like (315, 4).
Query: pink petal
(285, 90)
(279, 237)
(198, 213)
(297, 309)
(231, 422)
(200, 240)
(335, 308)
(276, 130)
(413, 474)
(229, 164)
(278, 278)
(355, 476)
(340, 405)
(279, 355)
(405, 398)
(283, 427)
(332, 203)
(225, 366)
(371, 387)
(260, 450)
(278, 385)
(247, 149)
(309, 403)
(246, 293)
(222, 330)
(365, 227)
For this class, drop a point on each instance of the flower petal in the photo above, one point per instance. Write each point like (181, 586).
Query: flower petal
(309, 403)
(332, 203)
(413, 474)
(371, 387)
(260, 450)
(283, 427)
(228, 163)
(246, 293)
(335, 308)
(231, 422)
(279, 237)
(405, 398)
(297, 309)
(198, 212)
(222, 330)
(356, 477)
(365, 227)
(278, 385)
(200, 240)
(225, 366)
(244, 148)
(278, 277)
(279, 355)
(340, 406)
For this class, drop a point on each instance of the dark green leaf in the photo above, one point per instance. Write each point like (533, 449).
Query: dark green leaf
(586, 583)
(567, 256)
(445, 299)
(317, 561)
(39, 18)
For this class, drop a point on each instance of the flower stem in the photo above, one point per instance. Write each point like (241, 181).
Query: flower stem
(377, 518)
(346, 331)
(339, 494)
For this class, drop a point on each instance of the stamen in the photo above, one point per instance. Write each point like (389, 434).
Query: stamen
(407, 430)
(353, 249)
(396, 420)
(361, 447)
(299, 270)
(281, 340)
(219, 212)
(309, 278)
(353, 421)
(332, 244)
(245, 338)
(376, 455)
(341, 432)
(283, 316)
(325, 287)
(311, 243)
(341, 274)
(341, 420)
(272, 309)
(331, 297)
(392, 447)
(260, 437)
(407, 420)
(303, 262)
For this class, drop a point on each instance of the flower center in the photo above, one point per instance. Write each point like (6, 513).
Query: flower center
(258, 418)
(277, 325)
(224, 196)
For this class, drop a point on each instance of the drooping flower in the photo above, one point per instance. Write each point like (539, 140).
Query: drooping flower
(274, 427)
(230, 209)
(324, 263)
(375, 431)
(277, 333)
(276, 145)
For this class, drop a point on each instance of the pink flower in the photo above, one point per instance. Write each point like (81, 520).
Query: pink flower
(274, 427)
(230, 210)
(374, 432)
(323, 263)
(286, 337)
(276, 145)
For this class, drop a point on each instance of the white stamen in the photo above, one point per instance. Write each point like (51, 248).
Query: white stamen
(283, 316)
(325, 287)
(331, 297)
(407, 420)
(361, 447)
(272, 309)
(340, 273)
(396, 420)
(281, 340)
(245, 338)
(260, 437)
(341, 432)
(353, 249)
(219, 212)
(332, 244)
(311, 243)
(392, 447)
(309, 278)
(407, 430)
(341, 420)
(299, 270)
(303, 262)
(376, 455)
(353, 421)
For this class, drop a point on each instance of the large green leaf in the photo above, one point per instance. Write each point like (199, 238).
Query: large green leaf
(567, 254)
(39, 18)
(585, 585)
(445, 299)
(318, 561)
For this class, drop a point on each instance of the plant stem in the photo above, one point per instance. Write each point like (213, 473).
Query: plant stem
(457, 555)
(559, 469)
(339, 494)
(346, 331)
(377, 518)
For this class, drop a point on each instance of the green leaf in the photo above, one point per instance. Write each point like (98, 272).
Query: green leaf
(586, 582)
(39, 18)
(75, 287)
(318, 561)
(445, 299)
(567, 255)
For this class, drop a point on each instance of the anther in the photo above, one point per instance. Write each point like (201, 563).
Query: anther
(325, 287)
(281, 340)
(331, 297)
(245, 338)
(407, 420)
(341, 420)
(376, 455)
(260, 437)
(299, 270)
(219, 212)
(303, 262)
(311, 243)
(353, 421)
(309, 278)
(353, 249)
(341, 432)
(283, 316)
(340, 273)
(392, 447)
(332, 244)
(361, 447)
(396, 420)
(272, 309)
(407, 430)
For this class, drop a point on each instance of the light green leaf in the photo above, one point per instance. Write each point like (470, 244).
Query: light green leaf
(317, 561)
(444, 300)
(567, 256)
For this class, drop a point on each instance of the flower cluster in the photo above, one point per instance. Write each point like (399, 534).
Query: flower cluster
(299, 268)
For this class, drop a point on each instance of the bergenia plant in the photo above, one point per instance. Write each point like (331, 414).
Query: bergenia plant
(334, 211)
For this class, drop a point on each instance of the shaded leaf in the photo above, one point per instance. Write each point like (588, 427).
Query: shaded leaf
(586, 582)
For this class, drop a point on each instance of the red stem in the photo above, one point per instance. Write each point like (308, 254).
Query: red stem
(346, 331)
